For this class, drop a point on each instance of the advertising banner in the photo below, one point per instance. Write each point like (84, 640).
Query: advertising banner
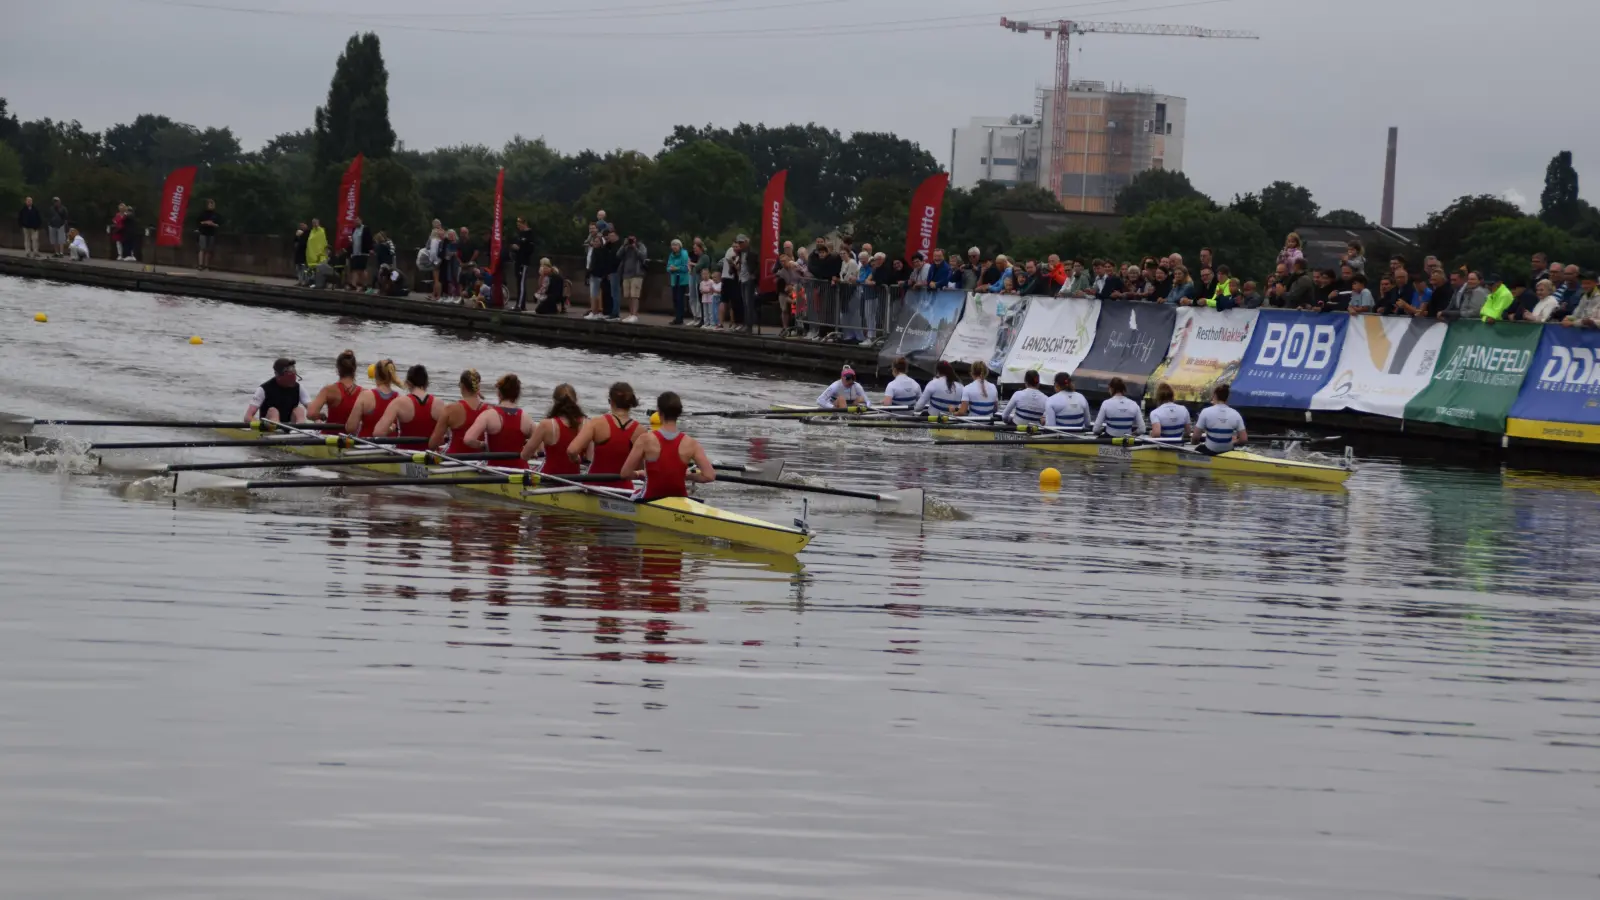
(349, 204)
(1386, 361)
(771, 230)
(978, 331)
(1205, 350)
(1054, 336)
(922, 231)
(1130, 341)
(1560, 397)
(174, 206)
(1290, 357)
(922, 327)
(1478, 376)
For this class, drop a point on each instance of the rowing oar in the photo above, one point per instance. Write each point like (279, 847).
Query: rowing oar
(39, 442)
(253, 425)
(792, 413)
(423, 458)
(907, 502)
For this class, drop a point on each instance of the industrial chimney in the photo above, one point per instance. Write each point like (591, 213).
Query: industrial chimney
(1386, 219)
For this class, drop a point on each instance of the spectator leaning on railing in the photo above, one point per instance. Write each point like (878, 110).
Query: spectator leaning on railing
(1587, 311)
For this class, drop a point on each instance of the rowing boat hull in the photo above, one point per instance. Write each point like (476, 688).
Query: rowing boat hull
(678, 514)
(1237, 462)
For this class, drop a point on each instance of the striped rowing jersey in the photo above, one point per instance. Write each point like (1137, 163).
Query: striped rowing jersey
(941, 396)
(1220, 423)
(1026, 407)
(1119, 417)
(1174, 421)
(1067, 409)
(981, 398)
(902, 391)
(853, 395)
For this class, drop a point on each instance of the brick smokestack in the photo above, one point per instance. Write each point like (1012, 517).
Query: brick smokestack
(1386, 219)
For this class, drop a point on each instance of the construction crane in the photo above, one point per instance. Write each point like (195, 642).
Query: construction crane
(1063, 30)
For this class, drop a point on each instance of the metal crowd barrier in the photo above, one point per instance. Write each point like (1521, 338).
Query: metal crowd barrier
(855, 313)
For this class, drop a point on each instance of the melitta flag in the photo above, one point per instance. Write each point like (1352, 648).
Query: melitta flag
(349, 203)
(174, 204)
(771, 225)
(497, 225)
(922, 232)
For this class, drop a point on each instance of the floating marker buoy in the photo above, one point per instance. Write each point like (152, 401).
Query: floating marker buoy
(196, 340)
(655, 420)
(372, 370)
(40, 317)
(1050, 479)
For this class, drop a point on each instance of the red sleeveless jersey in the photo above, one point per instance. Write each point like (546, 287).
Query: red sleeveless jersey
(380, 405)
(556, 461)
(456, 446)
(609, 456)
(339, 413)
(422, 422)
(509, 439)
(668, 476)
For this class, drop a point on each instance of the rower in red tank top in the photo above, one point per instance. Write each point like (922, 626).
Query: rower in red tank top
(373, 403)
(608, 439)
(668, 473)
(451, 425)
(411, 415)
(554, 435)
(503, 428)
(336, 401)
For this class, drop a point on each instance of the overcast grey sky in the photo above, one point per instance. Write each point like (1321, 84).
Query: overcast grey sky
(1484, 92)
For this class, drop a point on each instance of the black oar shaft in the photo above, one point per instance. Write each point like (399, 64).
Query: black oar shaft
(168, 423)
(245, 442)
(322, 463)
(837, 492)
(377, 482)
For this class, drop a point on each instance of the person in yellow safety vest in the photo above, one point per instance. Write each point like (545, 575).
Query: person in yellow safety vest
(1500, 299)
(1226, 296)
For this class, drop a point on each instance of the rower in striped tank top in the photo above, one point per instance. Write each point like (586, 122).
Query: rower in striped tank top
(1169, 421)
(942, 396)
(503, 427)
(451, 425)
(1026, 406)
(1119, 416)
(373, 403)
(1066, 408)
(669, 458)
(554, 435)
(608, 439)
(903, 390)
(979, 397)
(412, 414)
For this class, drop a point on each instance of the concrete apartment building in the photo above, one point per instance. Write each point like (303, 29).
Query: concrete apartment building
(1112, 133)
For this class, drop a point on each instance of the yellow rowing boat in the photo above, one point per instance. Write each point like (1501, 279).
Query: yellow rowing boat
(678, 514)
(1240, 462)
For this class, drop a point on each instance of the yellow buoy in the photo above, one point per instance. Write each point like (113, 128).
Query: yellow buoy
(40, 317)
(372, 370)
(1050, 479)
(196, 340)
(655, 420)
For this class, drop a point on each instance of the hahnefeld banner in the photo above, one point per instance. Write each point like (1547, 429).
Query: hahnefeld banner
(1560, 397)
(1205, 350)
(1385, 362)
(1478, 376)
(1290, 357)
(1130, 341)
(1055, 336)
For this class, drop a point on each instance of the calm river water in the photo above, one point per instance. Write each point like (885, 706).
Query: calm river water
(1144, 686)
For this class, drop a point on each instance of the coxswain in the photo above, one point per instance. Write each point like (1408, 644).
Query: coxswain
(943, 393)
(336, 401)
(666, 455)
(1169, 422)
(903, 390)
(452, 424)
(281, 398)
(1066, 408)
(1026, 407)
(412, 415)
(503, 427)
(1119, 416)
(979, 398)
(844, 392)
(374, 401)
(554, 435)
(608, 439)
(1219, 426)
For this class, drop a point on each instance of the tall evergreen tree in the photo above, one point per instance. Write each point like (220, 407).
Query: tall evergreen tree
(1558, 203)
(356, 118)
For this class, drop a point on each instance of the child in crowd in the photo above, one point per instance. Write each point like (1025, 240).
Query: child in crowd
(710, 301)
